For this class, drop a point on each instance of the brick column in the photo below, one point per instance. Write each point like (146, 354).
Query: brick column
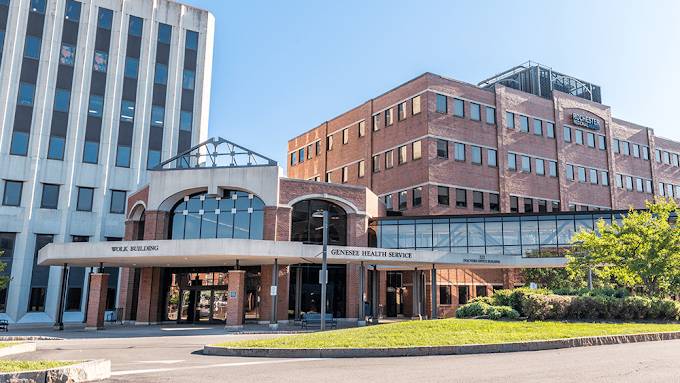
(282, 293)
(149, 296)
(237, 291)
(99, 283)
(352, 294)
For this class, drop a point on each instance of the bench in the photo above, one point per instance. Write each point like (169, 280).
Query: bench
(4, 325)
(314, 319)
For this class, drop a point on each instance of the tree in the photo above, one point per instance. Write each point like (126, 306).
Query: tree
(641, 251)
(4, 279)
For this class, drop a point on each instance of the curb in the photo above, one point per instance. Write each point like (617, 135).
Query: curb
(439, 350)
(80, 372)
(18, 338)
(18, 348)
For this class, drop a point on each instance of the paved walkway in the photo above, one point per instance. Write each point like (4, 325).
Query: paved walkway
(172, 354)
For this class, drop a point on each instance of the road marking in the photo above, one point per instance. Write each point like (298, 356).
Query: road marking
(152, 370)
(160, 361)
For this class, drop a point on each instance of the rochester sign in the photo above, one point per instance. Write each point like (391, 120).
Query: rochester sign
(585, 121)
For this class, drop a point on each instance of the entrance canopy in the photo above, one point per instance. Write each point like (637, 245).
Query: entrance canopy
(227, 251)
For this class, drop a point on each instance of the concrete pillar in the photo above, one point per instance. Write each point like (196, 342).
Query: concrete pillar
(433, 293)
(237, 291)
(99, 283)
(362, 314)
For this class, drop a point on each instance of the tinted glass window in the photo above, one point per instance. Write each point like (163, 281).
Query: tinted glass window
(72, 10)
(458, 108)
(19, 145)
(490, 115)
(67, 55)
(50, 196)
(161, 75)
(188, 80)
(131, 67)
(26, 94)
(136, 26)
(38, 6)
(32, 48)
(85, 199)
(96, 107)
(123, 156)
(56, 148)
(12, 193)
(91, 152)
(157, 115)
(491, 157)
(127, 110)
(185, 121)
(475, 112)
(100, 62)
(154, 158)
(118, 198)
(164, 33)
(192, 40)
(62, 99)
(441, 103)
(105, 19)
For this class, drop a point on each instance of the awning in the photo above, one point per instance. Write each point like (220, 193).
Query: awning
(225, 252)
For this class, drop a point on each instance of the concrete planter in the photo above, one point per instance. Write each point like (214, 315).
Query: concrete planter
(18, 348)
(438, 350)
(81, 372)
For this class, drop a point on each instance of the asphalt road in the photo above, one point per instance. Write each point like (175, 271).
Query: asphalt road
(173, 355)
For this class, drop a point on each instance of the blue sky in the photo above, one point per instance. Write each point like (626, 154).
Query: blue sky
(283, 67)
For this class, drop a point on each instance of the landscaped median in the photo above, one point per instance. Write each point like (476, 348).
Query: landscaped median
(54, 371)
(447, 337)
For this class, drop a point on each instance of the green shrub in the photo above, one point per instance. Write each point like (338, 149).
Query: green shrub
(542, 307)
(487, 300)
(472, 310)
(664, 309)
(636, 308)
(498, 312)
(502, 297)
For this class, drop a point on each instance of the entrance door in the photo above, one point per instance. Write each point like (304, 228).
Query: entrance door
(395, 294)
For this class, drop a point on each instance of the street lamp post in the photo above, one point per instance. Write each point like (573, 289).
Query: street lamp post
(323, 277)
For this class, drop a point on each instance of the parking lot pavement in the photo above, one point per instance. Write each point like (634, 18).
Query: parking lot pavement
(172, 354)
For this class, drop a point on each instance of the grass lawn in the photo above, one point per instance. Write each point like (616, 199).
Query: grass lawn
(449, 332)
(7, 344)
(30, 365)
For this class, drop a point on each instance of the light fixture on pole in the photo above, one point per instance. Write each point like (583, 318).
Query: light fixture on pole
(323, 275)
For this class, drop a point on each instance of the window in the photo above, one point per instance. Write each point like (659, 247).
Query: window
(164, 33)
(514, 204)
(67, 55)
(19, 144)
(417, 196)
(105, 18)
(62, 100)
(389, 119)
(402, 154)
(135, 27)
(389, 159)
(362, 168)
(662, 189)
(415, 105)
(12, 193)
(625, 148)
(153, 159)
(123, 156)
(442, 149)
(118, 198)
(317, 146)
(591, 140)
(604, 178)
(638, 184)
(362, 128)
(191, 41)
(648, 186)
(528, 205)
(186, 121)
(619, 181)
(494, 202)
(458, 108)
(524, 124)
(301, 155)
(567, 134)
(443, 195)
(38, 6)
(416, 150)
(388, 202)
(402, 200)
(329, 177)
(645, 153)
(478, 200)
(552, 168)
(84, 199)
(601, 143)
(593, 176)
(26, 94)
(475, 112)
(491, 159)
(540, 167)
(161, 74)
(666, 158)
(579, 136)
(616, 145)
(127, 110)
(401, 111)
(555, 206)
(131, 67)
(375, 162)
(32, 48)
(50, 196)
(345, 174)
(157, 116)
(329, 143)
(309, 151)
(629, 182)
(581, 174)
(445, 295)
(376, 122)
(636, 150)
(550, 129)
(459, 151)
(512, 161)
(100, 61)
(55, 151)
(96, 106)
(188, 79)
(490, 115)
(461, 198)
(538, 127)
(569, 170)
(510, 120)
(345, 136)
(91, 152)
(674, 159)
(526, 164)
(441, 104)
(476, 154)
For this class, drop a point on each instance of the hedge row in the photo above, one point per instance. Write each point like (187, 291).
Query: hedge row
(485, 310)
(542, 304)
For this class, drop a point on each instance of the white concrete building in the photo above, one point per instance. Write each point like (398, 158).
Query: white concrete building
(95, 92)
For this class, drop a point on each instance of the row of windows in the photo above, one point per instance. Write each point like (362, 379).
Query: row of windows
(50, 197)
(388, 114)
(641, 185)
(665, 157)
(443, 199)
(402, 156)
(459, 153)
(627, 148)
(525, 161)
(540, 127)
(583, 175)
(669, 190)
(458, 110)
(592, 140)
